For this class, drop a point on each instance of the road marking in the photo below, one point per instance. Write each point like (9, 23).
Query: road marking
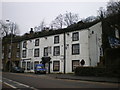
(18, 84)
(10, 85)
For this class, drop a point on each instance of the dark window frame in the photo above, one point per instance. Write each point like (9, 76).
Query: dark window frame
(56, 52)
(24, 44)
(24, 53)
(18, 54)
(75, 36)
(56, 39)
(72, 64)
(36, 42)
(45, 51)
(36, 50)
(55, 65)
(73, 52)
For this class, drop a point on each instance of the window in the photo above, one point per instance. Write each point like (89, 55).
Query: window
(28, 65)
(9, 55)
(75, 49)
(24, 53)
(75, 63)
(24, 44)
(37, 42)
(56, 50)
(18, 54)
(35, 63)
(75, 36)
(56, 65)
(36, 52)
(9, 48)
(56, 39)
(46, 51)
(18, 45)
(117, 33)
(23, 65)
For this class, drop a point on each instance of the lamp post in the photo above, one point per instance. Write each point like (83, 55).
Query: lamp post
(10, 25)
(0, 46)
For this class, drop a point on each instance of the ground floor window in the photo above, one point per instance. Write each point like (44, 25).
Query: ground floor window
(75, 63)
(23, 65)
(56, 65)
(35, 63)
(28, 65)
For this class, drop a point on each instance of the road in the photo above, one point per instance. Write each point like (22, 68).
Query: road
(35, 82)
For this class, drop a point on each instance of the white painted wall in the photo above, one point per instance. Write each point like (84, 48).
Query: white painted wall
(89, 48)
(95, 42)
(83, 41)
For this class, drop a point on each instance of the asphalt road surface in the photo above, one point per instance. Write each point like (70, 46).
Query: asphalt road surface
(35, 82)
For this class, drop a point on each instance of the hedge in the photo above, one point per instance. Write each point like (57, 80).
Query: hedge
(89, 71)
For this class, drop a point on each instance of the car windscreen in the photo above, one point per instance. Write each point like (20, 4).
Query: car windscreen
(39, 67)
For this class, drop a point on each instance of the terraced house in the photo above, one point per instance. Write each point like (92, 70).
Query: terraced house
(10, 53)
(63, 50)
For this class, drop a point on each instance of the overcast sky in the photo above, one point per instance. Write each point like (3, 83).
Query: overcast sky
(30, 14)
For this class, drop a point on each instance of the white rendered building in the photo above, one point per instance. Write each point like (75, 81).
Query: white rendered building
(66, 49)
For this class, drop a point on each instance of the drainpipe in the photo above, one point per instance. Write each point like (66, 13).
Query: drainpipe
(64, 53)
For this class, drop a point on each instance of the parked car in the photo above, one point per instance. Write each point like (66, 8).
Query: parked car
(39, 68)
(17, 70)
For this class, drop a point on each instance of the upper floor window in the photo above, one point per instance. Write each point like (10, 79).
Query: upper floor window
(18, 45)
(24, 53)
(24, 44)
(37, 42)
(75, 36)
(75, 49)
(56, 50)
(56, 39)
(117, 33)
(36, 52)
(46, 51)
(9, 55)
(18, 54)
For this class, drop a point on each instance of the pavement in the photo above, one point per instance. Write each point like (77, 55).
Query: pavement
(85, 78)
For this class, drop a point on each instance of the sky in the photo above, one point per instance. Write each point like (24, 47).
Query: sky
(30, 14)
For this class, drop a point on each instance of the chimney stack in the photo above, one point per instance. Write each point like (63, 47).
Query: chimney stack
(31, 30)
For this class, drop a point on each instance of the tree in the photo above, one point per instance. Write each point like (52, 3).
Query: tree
(70, 18)
(41, 26)
(101, 13)
(89, 19)
(113, 7)
(58, 22)
(8, 28)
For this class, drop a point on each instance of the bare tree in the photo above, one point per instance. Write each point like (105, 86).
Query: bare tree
(101, 13)
(89, 19)
(41, 26)
(70, 18)
(58, 22)
(8, 28)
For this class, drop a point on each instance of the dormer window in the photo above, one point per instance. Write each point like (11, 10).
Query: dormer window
(37, 42)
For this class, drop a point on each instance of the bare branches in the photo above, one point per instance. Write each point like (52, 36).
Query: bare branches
(70, 18)
(8, 28)
(64, 20)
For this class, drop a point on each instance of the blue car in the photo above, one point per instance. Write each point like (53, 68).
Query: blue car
(39, 68)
